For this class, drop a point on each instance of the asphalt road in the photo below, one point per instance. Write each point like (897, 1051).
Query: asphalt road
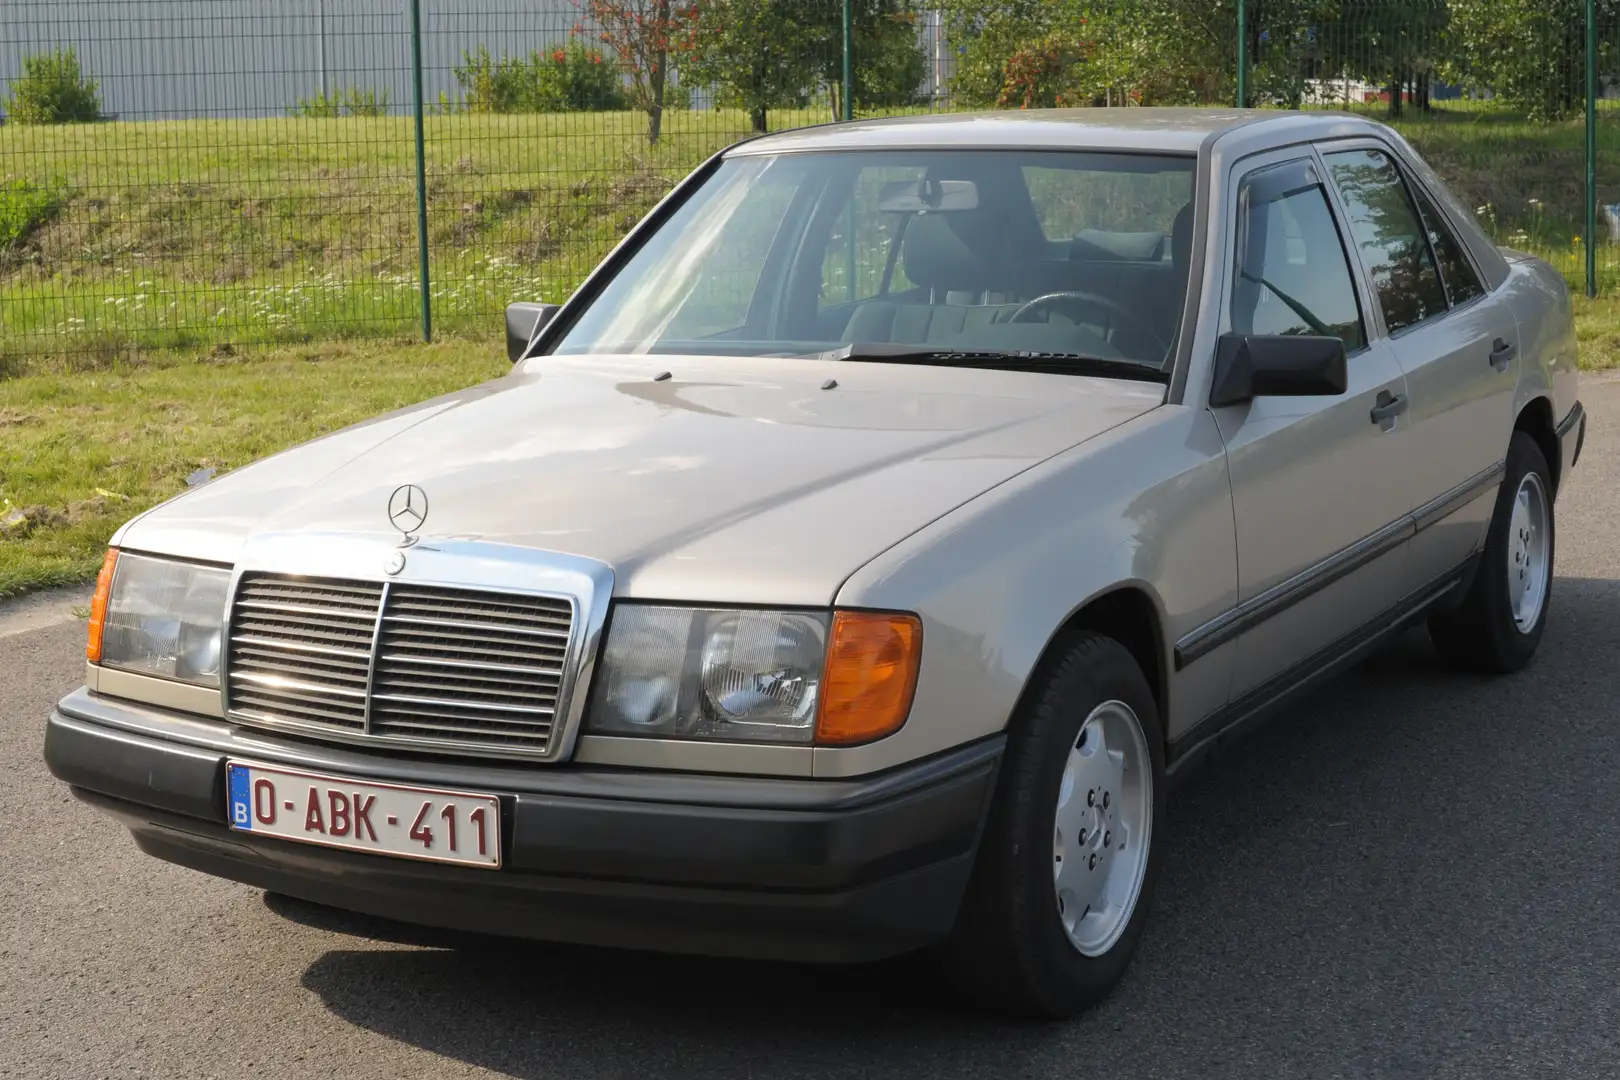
(1414, 874)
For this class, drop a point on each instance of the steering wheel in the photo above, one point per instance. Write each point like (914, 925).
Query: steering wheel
(1088, 299)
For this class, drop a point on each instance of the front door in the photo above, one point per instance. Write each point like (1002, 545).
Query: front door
(1319, 486)
(1457, 344)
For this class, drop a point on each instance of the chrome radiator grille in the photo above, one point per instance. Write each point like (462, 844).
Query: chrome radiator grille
(456, 670)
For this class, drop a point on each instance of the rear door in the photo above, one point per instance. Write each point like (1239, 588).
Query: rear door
(1457, 344)
(1317, 482)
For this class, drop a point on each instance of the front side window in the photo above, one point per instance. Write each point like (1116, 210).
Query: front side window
(1292, 274)
(1034, 252)
(1393, 243)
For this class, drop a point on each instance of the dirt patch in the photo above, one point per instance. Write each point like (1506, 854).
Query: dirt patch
(20, 521)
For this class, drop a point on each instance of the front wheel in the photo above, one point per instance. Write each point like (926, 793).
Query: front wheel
(1066, 868)
(1499, 623)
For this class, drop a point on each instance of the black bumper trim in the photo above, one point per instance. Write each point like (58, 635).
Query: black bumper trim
(1577, 413)
(873, 867)
(597, 782)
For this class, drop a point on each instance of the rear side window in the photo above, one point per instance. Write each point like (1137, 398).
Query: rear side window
(1462, 284)
(1393, 243)
(1293, 276)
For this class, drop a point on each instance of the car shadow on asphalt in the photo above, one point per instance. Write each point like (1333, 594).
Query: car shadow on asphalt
(1336, 869)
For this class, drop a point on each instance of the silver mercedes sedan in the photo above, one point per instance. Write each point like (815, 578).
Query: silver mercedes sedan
(852, 563)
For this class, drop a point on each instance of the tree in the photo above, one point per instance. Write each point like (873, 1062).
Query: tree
(1155, 52)
(889, 62)
(759, 54)
(769, 54)
(1392, 43)
(1529, 53)
(53, 90)
(646, 35)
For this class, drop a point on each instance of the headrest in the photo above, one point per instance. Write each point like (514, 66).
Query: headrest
(1098, 245)
(955, 251)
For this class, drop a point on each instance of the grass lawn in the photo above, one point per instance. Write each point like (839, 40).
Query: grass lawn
(81, 452)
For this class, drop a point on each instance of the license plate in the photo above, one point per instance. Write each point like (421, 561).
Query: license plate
(384, 819)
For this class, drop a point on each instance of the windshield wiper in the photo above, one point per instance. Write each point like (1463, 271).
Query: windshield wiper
(894, 352)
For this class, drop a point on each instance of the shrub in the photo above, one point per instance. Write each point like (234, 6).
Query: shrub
(52, 90)
(365, 102)
(489, 85)
(25, 207)
(571, 77)
(586, 78)
(355, 101)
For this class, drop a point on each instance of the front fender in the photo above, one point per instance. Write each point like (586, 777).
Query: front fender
(1146, 505)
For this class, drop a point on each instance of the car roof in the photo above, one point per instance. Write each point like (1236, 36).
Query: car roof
(1152, 129)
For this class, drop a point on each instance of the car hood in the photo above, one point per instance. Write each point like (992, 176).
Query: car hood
(724, 479)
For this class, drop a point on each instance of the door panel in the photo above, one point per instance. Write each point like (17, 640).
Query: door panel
(1317, 484)
(1312, 477)
(1462, 412)
(1457, 344)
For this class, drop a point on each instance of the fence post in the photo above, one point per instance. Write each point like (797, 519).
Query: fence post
(1242, 54)
(849, 61)
(1591, 148)
(421, 169)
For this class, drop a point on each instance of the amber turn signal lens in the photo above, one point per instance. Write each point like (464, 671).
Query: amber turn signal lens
(98, 605)
(871, 675)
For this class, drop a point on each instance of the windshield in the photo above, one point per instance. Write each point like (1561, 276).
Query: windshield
(1049, 253)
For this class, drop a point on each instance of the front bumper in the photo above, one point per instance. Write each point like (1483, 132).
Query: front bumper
(840, 870)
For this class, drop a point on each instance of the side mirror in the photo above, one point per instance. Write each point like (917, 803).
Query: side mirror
(1248, 366)
(523, 322)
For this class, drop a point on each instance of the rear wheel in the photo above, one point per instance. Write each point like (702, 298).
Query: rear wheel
(1067, 865)
(1499, 623)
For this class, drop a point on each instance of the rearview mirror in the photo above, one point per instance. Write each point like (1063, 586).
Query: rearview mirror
(523, 322)
(1248, 366)
(927, 196)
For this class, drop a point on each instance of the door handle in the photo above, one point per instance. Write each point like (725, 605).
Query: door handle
(1389, 406)
(1502, 354)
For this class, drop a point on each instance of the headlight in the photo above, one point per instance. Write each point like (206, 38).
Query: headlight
(755, 676)
(161, 617)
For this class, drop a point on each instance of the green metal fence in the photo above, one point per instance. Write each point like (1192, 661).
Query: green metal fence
(213, 173)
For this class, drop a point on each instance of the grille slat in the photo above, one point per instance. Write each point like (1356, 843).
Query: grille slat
(461, 674)
(512, 670)
(276, 607)
(295, 687)
(433, 647)
(405, 685)
(342, 669)
(447, 626)
(462, 732)
(464, 669)
(493, 618)
(327, 653)
(323, 631)
(451, 707)
(276, 706)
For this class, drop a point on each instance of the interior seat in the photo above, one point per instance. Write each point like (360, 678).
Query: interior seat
(958, 290)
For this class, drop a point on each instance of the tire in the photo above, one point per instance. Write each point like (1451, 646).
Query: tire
(1484, 633)
(1011, 950)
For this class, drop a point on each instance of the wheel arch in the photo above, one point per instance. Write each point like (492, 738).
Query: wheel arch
(1129, 613)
